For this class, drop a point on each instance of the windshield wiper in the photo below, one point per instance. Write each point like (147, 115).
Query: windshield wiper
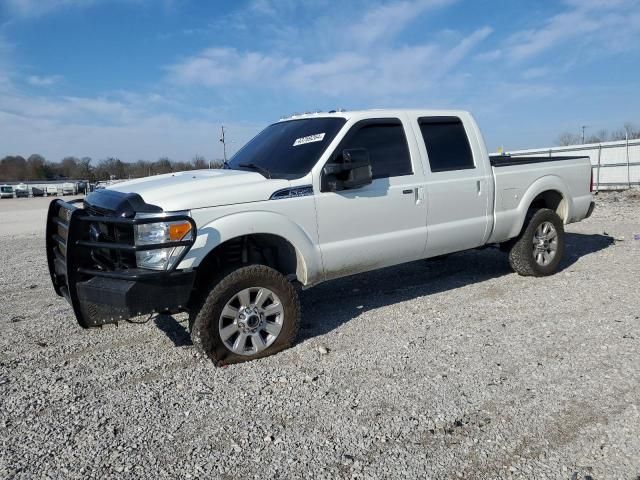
(263, 171)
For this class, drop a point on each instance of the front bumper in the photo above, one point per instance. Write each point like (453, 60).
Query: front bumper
(98, 295)
(105, 300)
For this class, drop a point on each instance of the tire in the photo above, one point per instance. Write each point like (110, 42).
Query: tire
(270, 325)
(536, 253)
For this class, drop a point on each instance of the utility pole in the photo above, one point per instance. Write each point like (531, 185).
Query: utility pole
(224, 145)
(584, 127)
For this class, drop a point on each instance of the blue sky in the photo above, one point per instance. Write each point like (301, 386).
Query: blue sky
(140, 79)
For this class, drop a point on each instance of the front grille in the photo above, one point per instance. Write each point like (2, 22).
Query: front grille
(106, 259)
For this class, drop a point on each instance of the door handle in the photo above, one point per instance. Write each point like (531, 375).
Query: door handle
(418, 193)
(479, 186)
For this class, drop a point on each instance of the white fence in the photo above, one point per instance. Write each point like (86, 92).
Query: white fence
(616, 165)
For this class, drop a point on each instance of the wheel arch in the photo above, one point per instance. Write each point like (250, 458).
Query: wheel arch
(546, 192)
(284, 245)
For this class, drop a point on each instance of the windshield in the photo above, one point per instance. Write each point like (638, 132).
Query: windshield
(6, 189)
(287, 149)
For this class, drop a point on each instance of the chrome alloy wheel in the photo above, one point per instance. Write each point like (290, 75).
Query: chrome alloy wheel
(251, 321)
(545, 243)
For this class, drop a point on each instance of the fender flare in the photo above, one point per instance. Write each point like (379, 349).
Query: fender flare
(541, 185)
(308, 259)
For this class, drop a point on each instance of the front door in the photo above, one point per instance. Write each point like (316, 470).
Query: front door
(383, 223)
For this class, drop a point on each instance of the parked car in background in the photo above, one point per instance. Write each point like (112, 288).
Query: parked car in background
(37, 192)
(6, 191)
(22, 191)
(68, 188)
(52, 190)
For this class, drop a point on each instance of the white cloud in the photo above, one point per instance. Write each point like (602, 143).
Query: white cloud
(264, 7)
(43, 81)
(490, 56)
(333, 76)
(36, 8)
(31, 8)
(377, 71)
(127, 125)
(460, 51)
(535, 72)
(223, 66)
(66, 108)
(99, 128)
(386, 20)
(614, 24)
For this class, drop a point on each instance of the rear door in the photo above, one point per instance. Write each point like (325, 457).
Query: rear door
(458, 184)
(383, 223)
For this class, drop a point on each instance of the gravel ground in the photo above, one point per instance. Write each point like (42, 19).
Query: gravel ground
(441, 369)
(24, 216)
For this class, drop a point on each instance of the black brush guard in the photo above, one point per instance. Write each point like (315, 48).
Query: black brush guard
(99, 296)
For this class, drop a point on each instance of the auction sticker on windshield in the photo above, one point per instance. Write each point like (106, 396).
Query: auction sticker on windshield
(318, 137)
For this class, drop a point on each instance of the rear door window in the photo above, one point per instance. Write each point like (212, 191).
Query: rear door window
(447, 144)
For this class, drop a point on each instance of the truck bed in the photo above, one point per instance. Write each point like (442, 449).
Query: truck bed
(508, 160)
(516, 179)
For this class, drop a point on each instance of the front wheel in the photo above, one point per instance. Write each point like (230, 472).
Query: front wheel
(538, 250)
(250, 313)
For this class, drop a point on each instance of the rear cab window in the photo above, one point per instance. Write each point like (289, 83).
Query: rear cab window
(447, 144)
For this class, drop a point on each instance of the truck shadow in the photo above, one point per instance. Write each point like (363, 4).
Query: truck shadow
(177, 332)
(334, 303)
(578, 245)
(330, 305)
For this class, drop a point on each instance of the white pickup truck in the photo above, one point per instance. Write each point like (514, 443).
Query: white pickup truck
(311, 198)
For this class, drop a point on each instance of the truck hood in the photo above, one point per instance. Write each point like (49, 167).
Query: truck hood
(201, 188)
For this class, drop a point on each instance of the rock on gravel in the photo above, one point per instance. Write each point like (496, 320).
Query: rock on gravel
(449, 369)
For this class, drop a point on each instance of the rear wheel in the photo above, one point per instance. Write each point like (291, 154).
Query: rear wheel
(252, 312)
(539, 248)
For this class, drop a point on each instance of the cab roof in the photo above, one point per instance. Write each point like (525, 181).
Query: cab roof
(371, 113)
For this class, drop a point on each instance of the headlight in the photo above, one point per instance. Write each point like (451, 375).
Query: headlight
(158, 233)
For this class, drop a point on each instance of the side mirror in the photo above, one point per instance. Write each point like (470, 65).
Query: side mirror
(352, 171)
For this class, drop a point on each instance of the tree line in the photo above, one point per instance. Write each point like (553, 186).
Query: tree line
(568, 138)
(36, 167)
